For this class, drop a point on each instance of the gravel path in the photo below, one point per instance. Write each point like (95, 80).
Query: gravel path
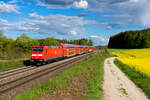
(117, 86)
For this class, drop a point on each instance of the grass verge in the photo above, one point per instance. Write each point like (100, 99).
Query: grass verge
(141, 80)
(116, 50)
(12, 64)
(94, 87)
(95, 82)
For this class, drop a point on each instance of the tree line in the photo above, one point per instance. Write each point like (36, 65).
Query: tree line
(22, 45)
(130, 39)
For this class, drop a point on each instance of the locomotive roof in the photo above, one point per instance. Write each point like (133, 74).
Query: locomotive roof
(69, 45)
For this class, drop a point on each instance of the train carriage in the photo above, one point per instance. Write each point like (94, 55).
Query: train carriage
(53, 52)
(68, 50)
(80, 49)
(77, 50)
(84, 49)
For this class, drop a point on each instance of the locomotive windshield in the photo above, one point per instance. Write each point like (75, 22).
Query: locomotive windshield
(37, 49)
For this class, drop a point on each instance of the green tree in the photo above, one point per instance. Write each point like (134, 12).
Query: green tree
(35, 42)
(24, 42)
(90, 43)
(83, 42)
(50, 41)
(131, 39)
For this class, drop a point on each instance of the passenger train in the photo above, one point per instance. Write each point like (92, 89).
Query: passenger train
(45, 54)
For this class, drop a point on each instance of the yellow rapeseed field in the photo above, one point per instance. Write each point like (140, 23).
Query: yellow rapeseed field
(139, 59)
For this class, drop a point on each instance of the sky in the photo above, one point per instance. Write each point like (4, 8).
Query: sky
(73, 19)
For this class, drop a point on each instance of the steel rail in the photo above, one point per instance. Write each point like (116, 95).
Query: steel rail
(16, 71)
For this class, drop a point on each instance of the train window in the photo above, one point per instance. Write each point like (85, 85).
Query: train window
(52, 47)
(37, 49)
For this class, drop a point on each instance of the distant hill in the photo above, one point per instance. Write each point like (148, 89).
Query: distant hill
(131, 39)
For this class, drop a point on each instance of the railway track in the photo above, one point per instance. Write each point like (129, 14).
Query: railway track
(13, 79)
(15, 71)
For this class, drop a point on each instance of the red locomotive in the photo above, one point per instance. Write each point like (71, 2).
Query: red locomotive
(44, 54)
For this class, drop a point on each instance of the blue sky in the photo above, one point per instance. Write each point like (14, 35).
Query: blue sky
(73, 19)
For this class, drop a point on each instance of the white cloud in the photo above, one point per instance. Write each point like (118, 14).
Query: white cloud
(13, 1)
(3, 24)
(7, 8)
(3, 21)
(35, 15)
(63, 3)
(109, 27)
(55, 4)
(59, 24)
(135, 1)
(73, 32)
(118, 16)
(81, 4)
(99, 39)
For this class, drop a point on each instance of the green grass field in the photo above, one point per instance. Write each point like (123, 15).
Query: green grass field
(91, 67)
(116, 50)
(11, 64)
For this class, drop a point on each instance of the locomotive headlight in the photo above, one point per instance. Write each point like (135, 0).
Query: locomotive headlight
(33, 54)
(40, 55)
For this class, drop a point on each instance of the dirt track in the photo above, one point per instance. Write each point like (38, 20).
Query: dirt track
(117, 86)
